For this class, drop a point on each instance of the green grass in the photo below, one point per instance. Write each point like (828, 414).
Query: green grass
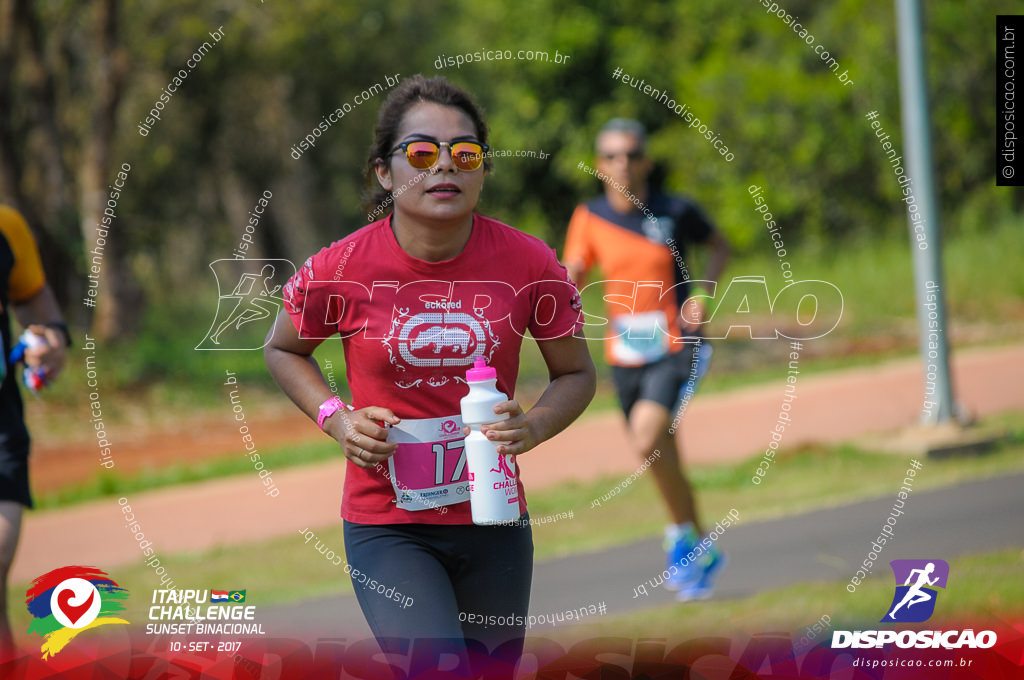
(799, 480)
(981, 587)
(104, 484)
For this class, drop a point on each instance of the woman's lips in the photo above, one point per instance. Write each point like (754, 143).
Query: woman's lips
(446, 190)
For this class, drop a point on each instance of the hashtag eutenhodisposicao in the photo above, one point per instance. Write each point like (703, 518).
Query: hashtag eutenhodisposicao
(570, 615)
(680, 110)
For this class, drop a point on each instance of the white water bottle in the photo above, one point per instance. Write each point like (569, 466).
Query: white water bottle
(493, 487)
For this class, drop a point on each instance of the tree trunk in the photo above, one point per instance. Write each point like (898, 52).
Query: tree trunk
(50, 214)
(114, 314)
(10, 167)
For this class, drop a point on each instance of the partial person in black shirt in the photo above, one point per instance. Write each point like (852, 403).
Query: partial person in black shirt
(23, 291)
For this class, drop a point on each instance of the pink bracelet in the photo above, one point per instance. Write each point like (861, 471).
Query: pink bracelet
(329, 408)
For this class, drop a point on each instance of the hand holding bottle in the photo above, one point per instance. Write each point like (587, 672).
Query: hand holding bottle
(493, 486)
(513, 435)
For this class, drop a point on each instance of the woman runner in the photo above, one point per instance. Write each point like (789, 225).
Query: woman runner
(416, 297)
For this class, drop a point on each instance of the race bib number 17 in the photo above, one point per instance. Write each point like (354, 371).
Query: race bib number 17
(428, 469)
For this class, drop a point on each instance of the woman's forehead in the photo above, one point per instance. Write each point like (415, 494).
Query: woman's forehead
(435, 120)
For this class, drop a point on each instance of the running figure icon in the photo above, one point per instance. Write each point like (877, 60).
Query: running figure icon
(916, 594)
(504, 467)
(253, 294)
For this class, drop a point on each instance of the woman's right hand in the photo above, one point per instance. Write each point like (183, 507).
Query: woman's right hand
(361, 436)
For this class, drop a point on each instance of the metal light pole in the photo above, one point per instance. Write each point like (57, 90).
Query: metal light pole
(928, 279)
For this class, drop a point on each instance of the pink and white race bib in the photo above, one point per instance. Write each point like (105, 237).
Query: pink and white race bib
(428, 470)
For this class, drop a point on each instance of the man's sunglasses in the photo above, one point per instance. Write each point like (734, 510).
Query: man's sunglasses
(423, 154)
(634, 155)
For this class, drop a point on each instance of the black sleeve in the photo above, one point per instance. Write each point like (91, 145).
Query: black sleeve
(693, 225)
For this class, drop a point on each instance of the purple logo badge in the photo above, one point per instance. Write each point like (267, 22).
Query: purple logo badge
(914, 600)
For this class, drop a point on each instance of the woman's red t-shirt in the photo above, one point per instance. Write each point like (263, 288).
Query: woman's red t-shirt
(410, 329)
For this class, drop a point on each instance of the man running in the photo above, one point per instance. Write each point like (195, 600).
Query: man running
(638, 239)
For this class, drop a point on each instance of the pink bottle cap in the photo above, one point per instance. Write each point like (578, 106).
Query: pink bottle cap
(480, 371)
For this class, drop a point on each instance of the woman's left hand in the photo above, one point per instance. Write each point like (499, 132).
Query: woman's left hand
(514, 435)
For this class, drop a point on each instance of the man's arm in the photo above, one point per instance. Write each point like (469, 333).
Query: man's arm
(694, 311)
(719, 255)
(577, 273)
(577, 253)
(41, 315)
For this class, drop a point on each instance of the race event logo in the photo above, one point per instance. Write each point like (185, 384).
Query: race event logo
(449, 428)
(914, 601)
(202, 611)
(70, 600)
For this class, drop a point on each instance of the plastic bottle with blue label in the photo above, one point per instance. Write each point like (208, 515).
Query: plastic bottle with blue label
(493, 487)
(34, 378)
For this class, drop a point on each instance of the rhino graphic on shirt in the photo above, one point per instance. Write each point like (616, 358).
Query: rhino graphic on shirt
(441, 337)
(432, 339)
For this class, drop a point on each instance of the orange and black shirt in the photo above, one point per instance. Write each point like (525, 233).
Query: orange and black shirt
(21, 277)
(642, 256)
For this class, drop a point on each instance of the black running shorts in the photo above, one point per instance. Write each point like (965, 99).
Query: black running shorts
(14, 472)
(661, 381)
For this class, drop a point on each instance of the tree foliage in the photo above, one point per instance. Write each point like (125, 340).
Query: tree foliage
(226, 134)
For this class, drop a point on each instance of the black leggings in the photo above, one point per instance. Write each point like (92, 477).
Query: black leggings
(454, 582)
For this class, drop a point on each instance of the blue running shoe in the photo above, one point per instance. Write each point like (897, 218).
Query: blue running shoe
(708, 568)
(679, 541)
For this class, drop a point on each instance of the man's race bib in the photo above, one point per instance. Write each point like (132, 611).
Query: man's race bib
(642, 338)
(428, 470)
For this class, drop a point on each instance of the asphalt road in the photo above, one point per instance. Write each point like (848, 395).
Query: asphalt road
(823, 545)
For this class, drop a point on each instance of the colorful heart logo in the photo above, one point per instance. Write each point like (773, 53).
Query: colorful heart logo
(73, 612)
(70, 600)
